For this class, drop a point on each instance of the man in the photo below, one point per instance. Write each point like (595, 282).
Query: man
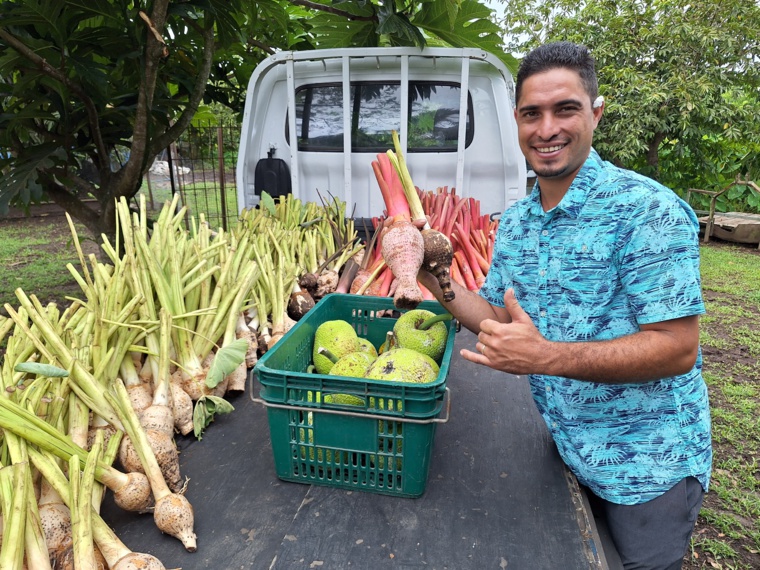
(594, 292)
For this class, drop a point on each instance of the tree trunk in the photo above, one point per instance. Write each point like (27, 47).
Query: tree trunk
(90, 214)
(653, 154)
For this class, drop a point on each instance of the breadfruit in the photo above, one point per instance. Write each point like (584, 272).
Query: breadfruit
(403, 365)
(338, 337)
(431, 341)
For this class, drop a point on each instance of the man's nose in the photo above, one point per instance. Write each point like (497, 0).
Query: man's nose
(548, 127)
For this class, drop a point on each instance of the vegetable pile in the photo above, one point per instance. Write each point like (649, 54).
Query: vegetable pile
(454, 240)
(93, 394)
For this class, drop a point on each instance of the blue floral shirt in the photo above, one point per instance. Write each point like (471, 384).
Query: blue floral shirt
(619, 251)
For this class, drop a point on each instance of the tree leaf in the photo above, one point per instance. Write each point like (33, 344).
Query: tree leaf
(472, 27)
(226, 359)
(267, 202)
(205, 409)
(41, 369)
(221, 406)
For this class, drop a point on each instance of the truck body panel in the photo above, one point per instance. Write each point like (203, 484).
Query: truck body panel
(347, 102)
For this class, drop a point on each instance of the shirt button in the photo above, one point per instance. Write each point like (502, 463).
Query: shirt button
(548, 388)
(545, 233)
(554, 424)
(542, 272)
(584, 247)
(542, 313)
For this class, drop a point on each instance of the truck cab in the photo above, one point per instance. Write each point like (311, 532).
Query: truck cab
(453, 110)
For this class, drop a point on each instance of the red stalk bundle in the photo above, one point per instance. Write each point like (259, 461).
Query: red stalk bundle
(402, 244)
(469, 232)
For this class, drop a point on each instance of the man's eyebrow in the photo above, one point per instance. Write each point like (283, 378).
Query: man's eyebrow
(562, 103)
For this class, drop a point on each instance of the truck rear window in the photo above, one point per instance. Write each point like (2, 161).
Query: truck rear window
(375, 110)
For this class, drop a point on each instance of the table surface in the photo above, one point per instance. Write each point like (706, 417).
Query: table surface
(497, 496)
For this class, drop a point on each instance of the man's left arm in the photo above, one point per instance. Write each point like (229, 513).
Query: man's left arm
(657, 350)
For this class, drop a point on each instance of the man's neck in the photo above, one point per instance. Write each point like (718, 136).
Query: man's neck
(552, 192)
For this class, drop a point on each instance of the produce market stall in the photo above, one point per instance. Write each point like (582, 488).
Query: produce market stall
(497, 496)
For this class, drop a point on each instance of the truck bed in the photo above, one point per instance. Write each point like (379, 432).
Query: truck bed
(498, 496)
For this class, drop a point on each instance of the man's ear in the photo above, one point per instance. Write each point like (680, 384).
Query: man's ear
(597, 108)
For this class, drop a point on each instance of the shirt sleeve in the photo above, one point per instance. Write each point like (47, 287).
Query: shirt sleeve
(659, 260)
(507, 253)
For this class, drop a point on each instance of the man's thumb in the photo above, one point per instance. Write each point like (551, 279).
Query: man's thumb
(511, 304)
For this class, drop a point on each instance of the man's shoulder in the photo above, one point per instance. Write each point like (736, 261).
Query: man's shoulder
(629, 181)
(630, 190)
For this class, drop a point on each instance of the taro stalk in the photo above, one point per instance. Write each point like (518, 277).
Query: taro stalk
(131, 491)
(13, 498)
(209, 320)
(117, 555)
(438, 251)
(32, 543)
(81, 486)
(157, 420)
(140, 283)
(36, 551)
(51, 346)
(48, 523)
(173, 513)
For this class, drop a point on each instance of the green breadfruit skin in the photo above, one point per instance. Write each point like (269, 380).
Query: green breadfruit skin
(403, 365)
(344, 399)
(303, 432)
(352, 364)
(337, 336)
(431, 342)
(366, 346)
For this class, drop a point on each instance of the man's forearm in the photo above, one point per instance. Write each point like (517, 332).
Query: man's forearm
(468, 307)
(658, 350)
(639, 357)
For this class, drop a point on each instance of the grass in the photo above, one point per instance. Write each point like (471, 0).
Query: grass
(35, 259)
(732, 270)
(728, 530)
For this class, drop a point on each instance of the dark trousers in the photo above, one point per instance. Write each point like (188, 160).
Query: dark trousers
(653, 535)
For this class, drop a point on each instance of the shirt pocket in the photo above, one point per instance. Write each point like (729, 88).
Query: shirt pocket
(589, 278)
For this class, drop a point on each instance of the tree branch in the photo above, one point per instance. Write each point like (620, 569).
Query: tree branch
(262, 46)
(152, 54)
(73, 205)
(331, 10)
(195, 97)
(93, 118)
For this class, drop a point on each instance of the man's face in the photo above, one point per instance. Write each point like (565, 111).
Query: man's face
(555, 124)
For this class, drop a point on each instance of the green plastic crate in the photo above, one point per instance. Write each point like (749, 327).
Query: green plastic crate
(382, 444)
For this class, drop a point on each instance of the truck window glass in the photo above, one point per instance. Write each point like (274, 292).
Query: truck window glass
(375, 109)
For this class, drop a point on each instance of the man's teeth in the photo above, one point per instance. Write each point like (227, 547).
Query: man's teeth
(550, 148)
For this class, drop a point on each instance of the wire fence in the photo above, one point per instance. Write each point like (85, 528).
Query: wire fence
(201, 167)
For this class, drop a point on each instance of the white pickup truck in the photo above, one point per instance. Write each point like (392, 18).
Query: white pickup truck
(453, 109)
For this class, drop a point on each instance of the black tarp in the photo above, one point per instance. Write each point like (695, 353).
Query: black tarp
(498, 496)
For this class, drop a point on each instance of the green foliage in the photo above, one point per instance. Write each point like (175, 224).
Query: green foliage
(680, 80)
(81, 79)
(226, 360)
(205, 411)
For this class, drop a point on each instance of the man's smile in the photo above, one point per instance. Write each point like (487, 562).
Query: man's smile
(548, 149)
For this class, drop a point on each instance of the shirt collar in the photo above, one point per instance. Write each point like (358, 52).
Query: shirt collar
(575, 197)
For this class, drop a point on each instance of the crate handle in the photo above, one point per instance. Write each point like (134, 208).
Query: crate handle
(443, 420)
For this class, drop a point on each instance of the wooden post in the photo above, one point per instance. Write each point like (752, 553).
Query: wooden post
(220, 157)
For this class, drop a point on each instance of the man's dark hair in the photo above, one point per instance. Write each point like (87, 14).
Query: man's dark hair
(559, 55)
